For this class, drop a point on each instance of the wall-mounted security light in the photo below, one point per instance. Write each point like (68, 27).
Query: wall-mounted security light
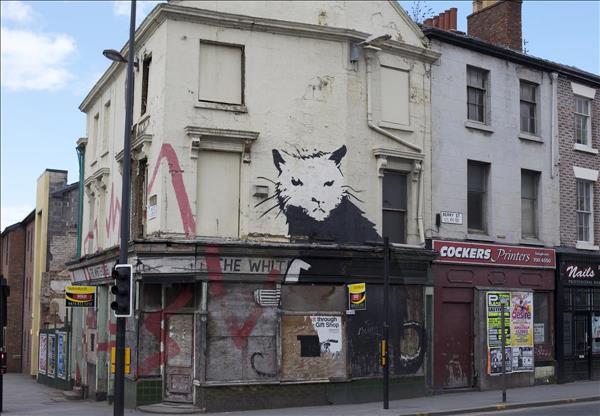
(373, 41)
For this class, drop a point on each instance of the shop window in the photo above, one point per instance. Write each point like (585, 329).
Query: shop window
(581, 298)
(596, 333)
(180, 294)
(541, 318)
(596, 298)
(394, 206)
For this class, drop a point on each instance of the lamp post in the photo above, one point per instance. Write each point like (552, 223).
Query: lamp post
(119, 388)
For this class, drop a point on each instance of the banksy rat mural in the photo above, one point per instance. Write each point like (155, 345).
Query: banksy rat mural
(311, 191)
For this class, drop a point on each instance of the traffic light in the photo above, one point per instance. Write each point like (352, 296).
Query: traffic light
(123, 290)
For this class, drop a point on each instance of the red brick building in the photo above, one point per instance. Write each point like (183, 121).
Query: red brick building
(12, 266)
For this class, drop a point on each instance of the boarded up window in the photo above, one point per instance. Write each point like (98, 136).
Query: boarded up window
(313, 298)
(218, 194)
(221, 73)
(408, 340)
(241, 335)
(394, 96)
(300, 360)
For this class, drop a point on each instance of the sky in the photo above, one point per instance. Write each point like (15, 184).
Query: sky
(51, 56)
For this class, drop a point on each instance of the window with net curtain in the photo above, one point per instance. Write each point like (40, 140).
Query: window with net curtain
(582, 121)
(529, 196)
(528, 107)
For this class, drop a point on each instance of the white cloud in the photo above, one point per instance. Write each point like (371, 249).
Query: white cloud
(12, 214)
(35, 61)
(16, 11)
(123, 8)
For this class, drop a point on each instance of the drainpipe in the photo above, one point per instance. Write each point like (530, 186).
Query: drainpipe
(81, 158)
(368, 58)
(554, 80)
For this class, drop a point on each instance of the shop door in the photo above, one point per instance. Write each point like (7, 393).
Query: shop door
(179, 369)
(457, 345)
(581, 334)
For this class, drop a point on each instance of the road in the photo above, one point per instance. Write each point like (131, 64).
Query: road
(571, 409)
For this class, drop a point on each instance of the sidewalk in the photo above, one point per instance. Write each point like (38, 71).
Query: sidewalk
(24, 397)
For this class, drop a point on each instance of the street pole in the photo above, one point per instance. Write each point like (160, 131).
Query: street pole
(386, 322)
(119, 393)
(502, 308)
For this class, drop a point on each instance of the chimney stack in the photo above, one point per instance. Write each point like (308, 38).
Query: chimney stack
(497, 22)
(445, 20)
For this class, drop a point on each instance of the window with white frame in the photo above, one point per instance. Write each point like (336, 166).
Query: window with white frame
(528, 105)
(583, 128)
(529, 202)
(477, 174)
(477, 80)
(584, 211)
(95, 136)
(105, 127)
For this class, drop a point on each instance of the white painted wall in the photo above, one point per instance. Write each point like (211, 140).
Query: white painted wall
(453, 144)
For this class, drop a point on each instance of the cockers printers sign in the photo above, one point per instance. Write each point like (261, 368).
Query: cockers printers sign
(80, 296)
(494, 254)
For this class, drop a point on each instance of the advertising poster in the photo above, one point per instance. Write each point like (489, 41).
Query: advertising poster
(521, 330)
(80, 296)
(495, 360)
(60, 360)
(42, 353)
(493, 305)
(357, 296)
(51, 372)
(329, 331)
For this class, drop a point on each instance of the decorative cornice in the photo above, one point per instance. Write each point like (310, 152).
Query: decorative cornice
(204, 138)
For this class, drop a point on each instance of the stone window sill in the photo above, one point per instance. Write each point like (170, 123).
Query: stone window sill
(93, 163)
(479, 237)
(586, 245)
(531, 242)
(104, 154)
(478, 126)
(530, 137)
(236, 108)
(585, 148)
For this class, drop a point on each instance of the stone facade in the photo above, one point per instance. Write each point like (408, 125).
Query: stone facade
(572, 155)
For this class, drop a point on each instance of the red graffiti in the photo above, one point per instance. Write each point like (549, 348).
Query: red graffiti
(105, 346)
(240, 333)
(114, 212)
(188, 220)
(152, 323)
(92, 235)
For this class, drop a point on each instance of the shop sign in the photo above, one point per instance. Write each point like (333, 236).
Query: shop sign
(448, 217)
(580, 274)
(80, 296)
(357, 296)
(518, 327)
(95, 272)
(494, 254)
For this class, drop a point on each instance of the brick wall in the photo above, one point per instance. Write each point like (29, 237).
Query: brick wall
(13, 244)
(570, 157)
(499, 23)
(27, 285)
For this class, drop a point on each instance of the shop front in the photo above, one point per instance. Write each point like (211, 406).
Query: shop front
(227, 326)
(471, 281)
(578, 316)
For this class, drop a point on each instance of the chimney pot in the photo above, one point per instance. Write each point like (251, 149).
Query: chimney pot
(453, 12)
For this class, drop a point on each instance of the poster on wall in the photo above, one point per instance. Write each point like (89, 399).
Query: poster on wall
(495, 360)
(494, 302)
(42, 353)
(60, 360)
(357, 296)
(521, 329)
(329, 331)
(51, 371)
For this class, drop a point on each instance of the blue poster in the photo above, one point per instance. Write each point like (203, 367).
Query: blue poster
(60, 361)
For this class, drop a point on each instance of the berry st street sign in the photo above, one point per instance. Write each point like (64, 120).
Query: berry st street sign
(80, 296)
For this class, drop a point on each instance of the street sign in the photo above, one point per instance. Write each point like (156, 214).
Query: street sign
(80, 296)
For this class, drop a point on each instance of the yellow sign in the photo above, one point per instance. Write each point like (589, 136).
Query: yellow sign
(113, 360)
(80, 296)
(357, 296)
